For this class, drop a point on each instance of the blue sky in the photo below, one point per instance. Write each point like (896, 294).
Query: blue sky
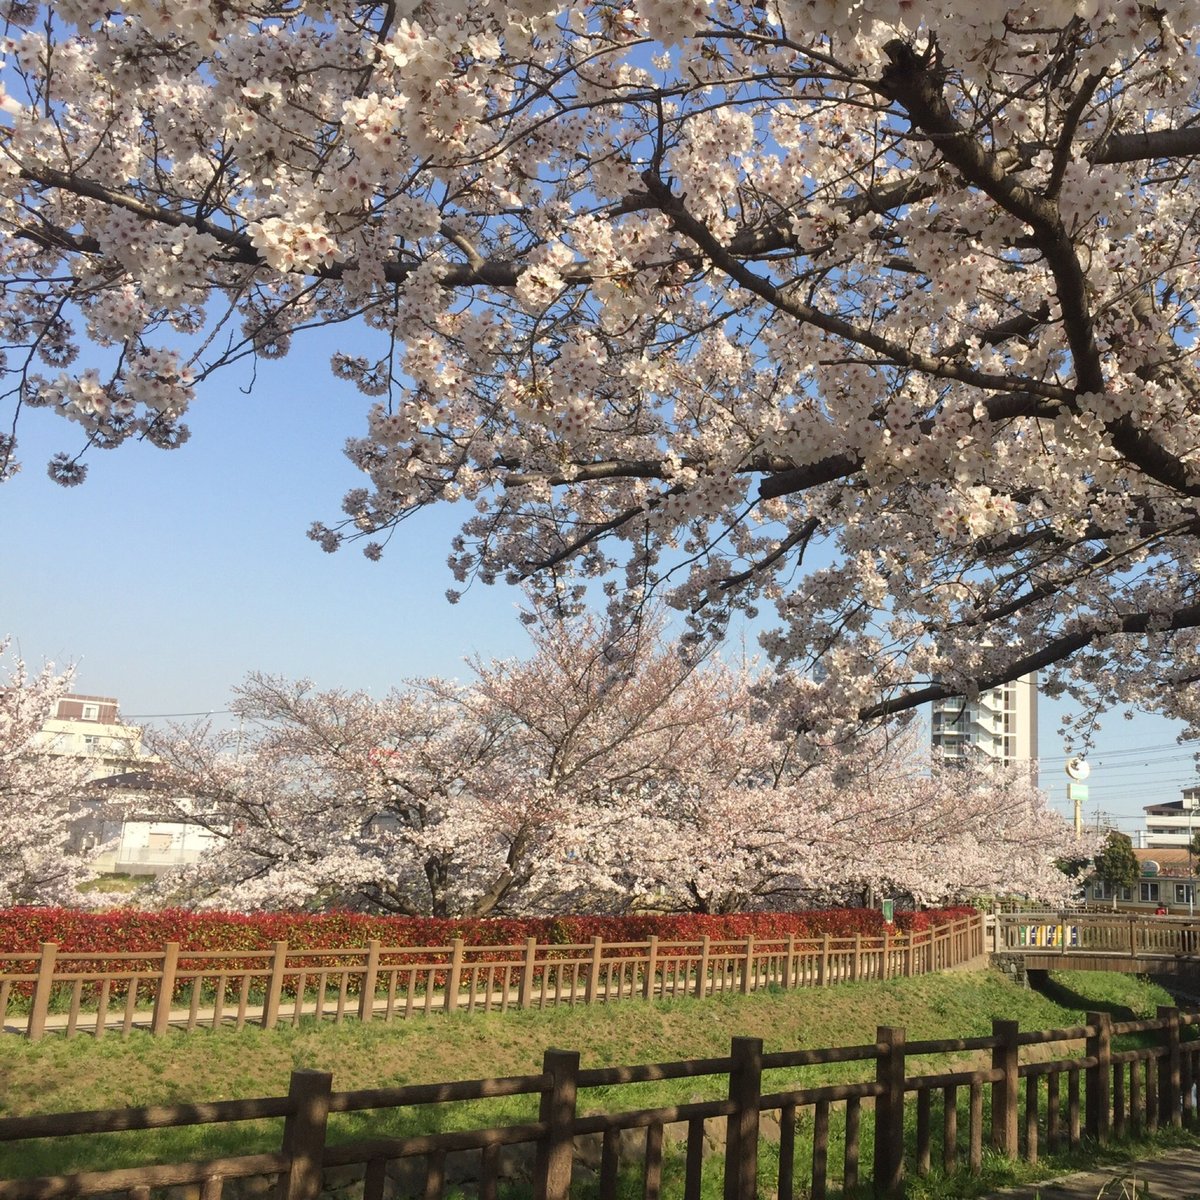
(167, 576)
(170, 574)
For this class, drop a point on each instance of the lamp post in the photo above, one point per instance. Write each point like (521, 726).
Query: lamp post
(1078, 770)
(1191, 884)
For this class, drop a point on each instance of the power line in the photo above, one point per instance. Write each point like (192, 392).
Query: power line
(1174, 747)
(208, 712)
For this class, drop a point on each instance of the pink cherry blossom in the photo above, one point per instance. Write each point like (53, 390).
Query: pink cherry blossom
(38, 791)
(604, 773)
(879, 317)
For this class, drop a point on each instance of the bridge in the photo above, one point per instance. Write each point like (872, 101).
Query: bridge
(1134, 943)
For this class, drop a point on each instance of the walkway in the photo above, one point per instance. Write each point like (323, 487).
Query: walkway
(1174, 1175)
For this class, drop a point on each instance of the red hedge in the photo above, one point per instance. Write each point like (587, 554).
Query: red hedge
(22, 930)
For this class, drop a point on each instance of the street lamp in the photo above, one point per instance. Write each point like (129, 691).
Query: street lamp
(1191, 884)
(1078, 770)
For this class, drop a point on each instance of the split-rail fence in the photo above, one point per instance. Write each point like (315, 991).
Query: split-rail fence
(90, 991)
(1022, 1104)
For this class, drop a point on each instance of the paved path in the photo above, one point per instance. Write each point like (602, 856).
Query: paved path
(1174, 1175)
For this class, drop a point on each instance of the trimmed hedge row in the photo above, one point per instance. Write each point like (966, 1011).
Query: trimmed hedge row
(22, 930)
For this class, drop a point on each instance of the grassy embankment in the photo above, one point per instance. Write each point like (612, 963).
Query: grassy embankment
(56, 1075)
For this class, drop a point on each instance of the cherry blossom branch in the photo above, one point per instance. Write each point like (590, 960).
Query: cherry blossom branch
(1053, 651)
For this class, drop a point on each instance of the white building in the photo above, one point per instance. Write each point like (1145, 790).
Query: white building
(1171, 824)
(138, 839)
(90, 727)
(1001, 725)
(116, 815)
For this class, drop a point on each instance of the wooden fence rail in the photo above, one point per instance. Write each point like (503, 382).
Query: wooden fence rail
(1020, 1108)
(59, 991)
(1104, 935)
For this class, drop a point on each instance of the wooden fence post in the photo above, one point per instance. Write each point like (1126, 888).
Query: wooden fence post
(454, 983)
(1005, 1091)
(651, 968)
(593, 982)
(856, 958)
(1169, 1070)
(741, 1132)
(885, 966)
(908, 954)
(525, 997)
(166, 990)
(42, 988)
(556, 1149)
(789, 963)
(889, 1112)
(702, 971)
(748, 966)
(1099, 1077)
(823, 965)
(270, 1013)
(366, 998)
(304, 1135)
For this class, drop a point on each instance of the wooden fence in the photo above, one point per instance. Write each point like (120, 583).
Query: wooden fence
(1108, 934)
(1019, 1107)
(59, 991)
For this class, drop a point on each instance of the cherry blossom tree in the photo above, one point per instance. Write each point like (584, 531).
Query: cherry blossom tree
(848, 826)
(604, 772)
(440, 798)
(878, 313)
(37, 789)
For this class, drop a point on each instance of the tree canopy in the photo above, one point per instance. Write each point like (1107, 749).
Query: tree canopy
(37, 788)
(603, 773)
(878, 314)
(1116, 864)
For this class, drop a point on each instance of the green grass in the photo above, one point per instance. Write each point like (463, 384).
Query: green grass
(116, 883)
(57, 1075)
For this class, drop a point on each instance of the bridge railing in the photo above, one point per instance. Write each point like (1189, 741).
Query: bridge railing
(1108, 935)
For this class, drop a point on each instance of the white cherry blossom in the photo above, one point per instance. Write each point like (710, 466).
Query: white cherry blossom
(685, 299)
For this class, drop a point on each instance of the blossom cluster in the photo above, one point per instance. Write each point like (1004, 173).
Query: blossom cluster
(879, 316)
(38, 863)
(606, 774)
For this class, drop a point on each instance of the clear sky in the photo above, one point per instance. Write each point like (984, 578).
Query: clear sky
(167, 576)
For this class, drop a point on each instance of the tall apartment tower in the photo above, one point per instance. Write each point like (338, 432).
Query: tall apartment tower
(1000, 725)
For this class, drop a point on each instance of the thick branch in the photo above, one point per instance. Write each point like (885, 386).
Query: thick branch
(893, 352)
(1055, 650)
(910, 81)
(1151, 144)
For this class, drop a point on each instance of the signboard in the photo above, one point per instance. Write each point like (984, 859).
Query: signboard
(889, 910)
(1077, 791)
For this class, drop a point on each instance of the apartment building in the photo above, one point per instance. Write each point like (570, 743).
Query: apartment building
(1000, 725)
(91, 727)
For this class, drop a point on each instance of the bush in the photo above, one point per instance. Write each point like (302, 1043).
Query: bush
(126, 930)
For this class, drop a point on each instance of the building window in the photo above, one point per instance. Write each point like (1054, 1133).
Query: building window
(1149, 893)
(91, 743)
(1183, 893)
(91, 712)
